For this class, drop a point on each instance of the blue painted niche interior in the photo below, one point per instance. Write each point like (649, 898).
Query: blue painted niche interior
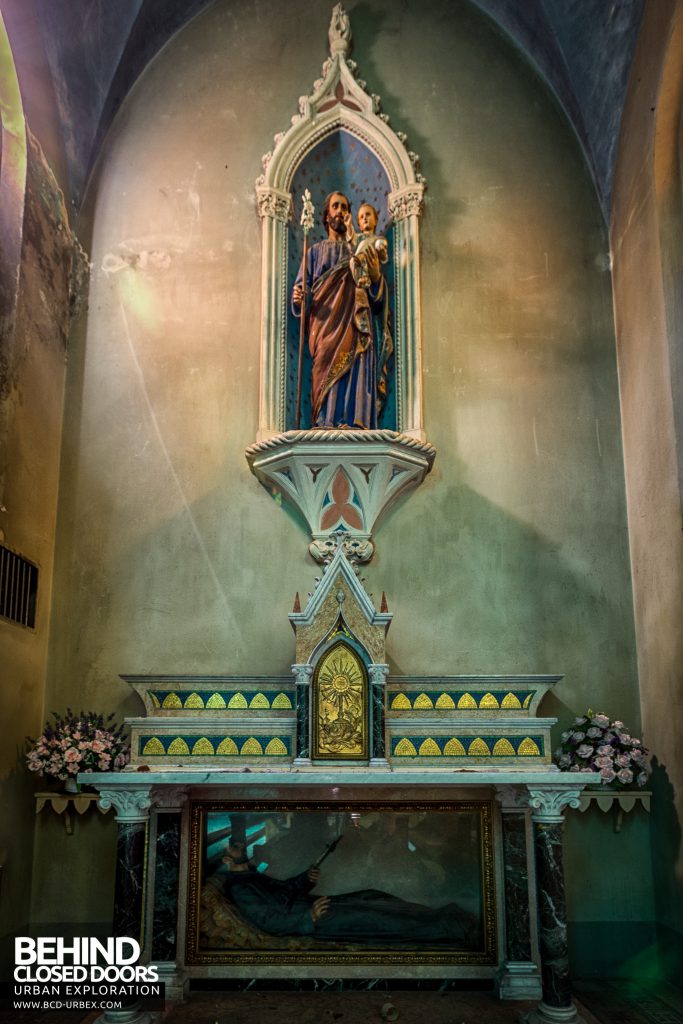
(340, 162)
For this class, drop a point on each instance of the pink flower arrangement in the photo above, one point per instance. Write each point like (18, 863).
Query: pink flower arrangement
(83, 742)
(594, 744)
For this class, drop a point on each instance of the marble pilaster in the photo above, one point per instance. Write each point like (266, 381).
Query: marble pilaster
(303, 675)
(519, 976)
(378, 674)
(165, 913)
(130, 875)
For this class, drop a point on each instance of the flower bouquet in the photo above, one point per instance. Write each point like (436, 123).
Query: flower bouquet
(594, 744)
(83, 742)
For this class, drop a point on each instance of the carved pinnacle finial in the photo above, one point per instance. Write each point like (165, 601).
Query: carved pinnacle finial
(297, 603)
(384, 607)
(339, 33)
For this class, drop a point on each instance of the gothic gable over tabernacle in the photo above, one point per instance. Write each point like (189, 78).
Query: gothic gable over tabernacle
(339, 606)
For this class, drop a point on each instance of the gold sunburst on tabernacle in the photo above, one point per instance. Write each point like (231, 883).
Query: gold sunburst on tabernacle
(340, 705)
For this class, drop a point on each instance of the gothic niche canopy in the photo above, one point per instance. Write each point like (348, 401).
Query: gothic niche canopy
(341, 431)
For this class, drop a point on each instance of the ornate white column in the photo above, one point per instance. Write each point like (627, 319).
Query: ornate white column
(303, 675)
(274, 207)
(132, 806)
(405, 207)
(547, 805)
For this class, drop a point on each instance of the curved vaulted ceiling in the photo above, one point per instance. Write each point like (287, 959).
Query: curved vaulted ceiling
(78, 59)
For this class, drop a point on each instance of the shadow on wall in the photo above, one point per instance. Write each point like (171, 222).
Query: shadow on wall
(492, 594)
(495, 595)
(17, 820)
(666, 855)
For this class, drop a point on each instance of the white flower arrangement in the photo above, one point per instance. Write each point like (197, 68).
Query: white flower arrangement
(83, 742)
(594, 744)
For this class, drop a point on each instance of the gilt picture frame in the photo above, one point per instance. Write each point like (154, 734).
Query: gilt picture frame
(275, 882)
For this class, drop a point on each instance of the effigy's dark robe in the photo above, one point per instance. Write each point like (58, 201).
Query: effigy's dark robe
(369, 915)
(349, 340)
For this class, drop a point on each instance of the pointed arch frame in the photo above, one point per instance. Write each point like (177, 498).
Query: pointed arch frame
(338, 103)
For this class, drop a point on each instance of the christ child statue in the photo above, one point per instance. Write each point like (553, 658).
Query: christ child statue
(365, 240)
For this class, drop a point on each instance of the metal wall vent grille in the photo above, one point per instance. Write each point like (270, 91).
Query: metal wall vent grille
(18, 588)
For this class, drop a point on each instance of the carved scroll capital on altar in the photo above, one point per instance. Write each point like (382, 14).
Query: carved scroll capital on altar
(512, 798)
(303, 674)
(131, 805)
(378, 674)
(170, 798)
(548, 803)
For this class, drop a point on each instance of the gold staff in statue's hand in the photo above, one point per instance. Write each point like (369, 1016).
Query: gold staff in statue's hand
(307, 213)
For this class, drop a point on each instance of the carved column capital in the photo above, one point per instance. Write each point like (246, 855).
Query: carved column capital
(378, 674)
(548, 803)
(303, 674)
(274, 203)
(406, 202)
(512, 798)
(131, 805)
(169, 797)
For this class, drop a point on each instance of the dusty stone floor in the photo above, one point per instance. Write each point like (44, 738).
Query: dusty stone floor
(345, 1008)
(608, 1002)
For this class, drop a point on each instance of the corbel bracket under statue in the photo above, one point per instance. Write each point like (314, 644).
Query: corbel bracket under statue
(341, 481)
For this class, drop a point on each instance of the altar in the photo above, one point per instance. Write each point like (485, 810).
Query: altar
(343, 821)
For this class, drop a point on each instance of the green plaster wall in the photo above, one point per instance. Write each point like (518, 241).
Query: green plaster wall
(513, 556)
(610, 902)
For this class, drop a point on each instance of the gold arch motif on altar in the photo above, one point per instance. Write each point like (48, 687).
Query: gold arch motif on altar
(276, 748)
(238, 700)
(467, 701)
(503, 748)
(510, 700)
(227, 747)
(281, 701)
(528, 748)
(216, 701)
(178, 747)
(404, 748)
(203, 748)
(153, 747)
(251, 747)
